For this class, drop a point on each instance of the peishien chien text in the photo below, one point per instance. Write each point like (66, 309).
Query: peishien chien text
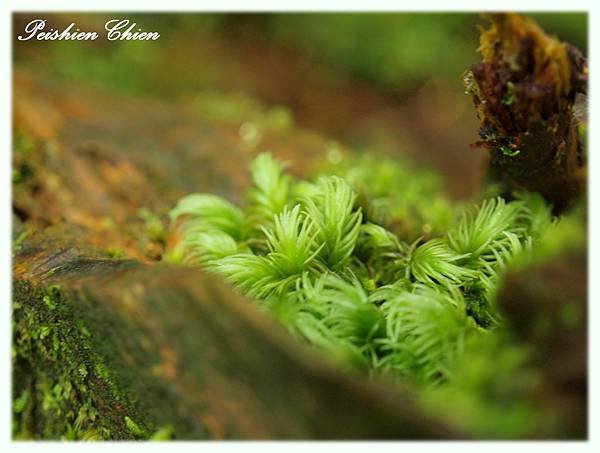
(116, 30)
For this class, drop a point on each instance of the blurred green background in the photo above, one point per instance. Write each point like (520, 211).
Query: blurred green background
(395, 51)
(370, 82)
(385, 82)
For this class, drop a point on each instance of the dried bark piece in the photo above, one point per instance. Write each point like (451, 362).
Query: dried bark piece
(524, 92)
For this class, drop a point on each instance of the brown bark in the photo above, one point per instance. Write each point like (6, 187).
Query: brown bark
(524, 92)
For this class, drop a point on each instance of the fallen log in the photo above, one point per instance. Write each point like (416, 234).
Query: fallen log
(114, 349)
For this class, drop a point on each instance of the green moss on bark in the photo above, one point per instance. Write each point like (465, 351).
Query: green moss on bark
(62, 387)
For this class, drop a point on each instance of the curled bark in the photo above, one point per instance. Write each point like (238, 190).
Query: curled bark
(524, 91)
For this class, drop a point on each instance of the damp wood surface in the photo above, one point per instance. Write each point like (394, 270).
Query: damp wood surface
(93, 160)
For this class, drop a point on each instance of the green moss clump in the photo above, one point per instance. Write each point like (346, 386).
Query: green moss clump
(340, 262)
(375, 266)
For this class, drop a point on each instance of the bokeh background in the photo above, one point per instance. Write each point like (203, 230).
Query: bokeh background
(389, 82)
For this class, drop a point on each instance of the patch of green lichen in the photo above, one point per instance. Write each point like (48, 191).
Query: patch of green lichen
(153, 225)
(23, 143)
(62, 387)
(115, 253)
(163, 433)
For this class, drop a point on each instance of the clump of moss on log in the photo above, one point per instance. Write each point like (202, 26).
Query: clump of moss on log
(343, 278)
(525, 92)
(62, 387)
(338, 276)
